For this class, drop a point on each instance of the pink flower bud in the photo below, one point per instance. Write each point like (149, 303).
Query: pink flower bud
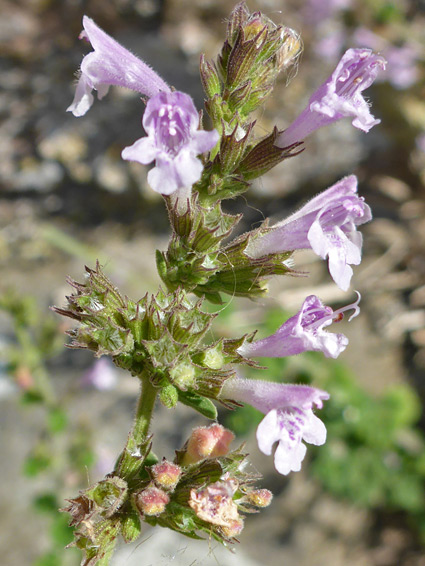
(259, 497)
(207, 442)
(151, 501)
(234, 528)
(166, 474)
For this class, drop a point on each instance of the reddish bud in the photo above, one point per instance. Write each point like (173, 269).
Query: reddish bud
(259, 497)
(207, 442)
(166, 474)
(151, 501)
(234, 528)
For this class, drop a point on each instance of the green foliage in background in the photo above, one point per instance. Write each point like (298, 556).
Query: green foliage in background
(60, 449)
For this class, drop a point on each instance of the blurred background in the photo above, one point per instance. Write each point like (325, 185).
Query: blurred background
(67, 198)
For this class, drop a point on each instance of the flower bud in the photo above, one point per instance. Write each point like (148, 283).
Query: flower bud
(166, 474)
(151, 501)
(168, 396)
(183, 375)
(207, 442)
(253, 26)
(213, 358)
(233, 529)
(259, 497)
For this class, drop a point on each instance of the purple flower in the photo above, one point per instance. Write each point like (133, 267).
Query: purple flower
(315, 12)
(304, 332)
(173, 141)
(340, 96)
(403, 71)
(111, 64)
(102, 375)
(327, 224)
(289, 417)
(330, 45)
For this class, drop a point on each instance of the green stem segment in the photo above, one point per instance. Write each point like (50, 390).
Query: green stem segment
(138, 446)
(145, 407)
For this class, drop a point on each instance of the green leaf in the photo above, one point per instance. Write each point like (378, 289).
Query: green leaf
(46, 503)
(201, 404)
(36, 464)
(32, 396)
(61, 533)
(57, 420)
(48, 559)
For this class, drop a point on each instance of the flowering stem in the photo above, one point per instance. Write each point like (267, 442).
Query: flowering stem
(138, 446)
(145, 407)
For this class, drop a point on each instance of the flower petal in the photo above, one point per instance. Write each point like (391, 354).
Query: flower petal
(288, 459)
(340, 96)
(268, 432)
(315, 432)
(163, 178)
(111, 64)
(142, 150)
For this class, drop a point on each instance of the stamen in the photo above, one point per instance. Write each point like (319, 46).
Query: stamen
(353, 306)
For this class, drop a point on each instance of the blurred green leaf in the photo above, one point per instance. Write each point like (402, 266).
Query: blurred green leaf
(35, 464)
(57, 420)
(46, 503)
(49, 559)
(31, 396)
(61, 533)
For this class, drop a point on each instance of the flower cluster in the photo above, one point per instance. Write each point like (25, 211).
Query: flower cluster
(162, 340)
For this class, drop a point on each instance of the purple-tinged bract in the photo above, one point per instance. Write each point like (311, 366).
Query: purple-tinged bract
(328, 225)
(110, 64)
(303, 332)
(339, 97)
(173, 141)
(289, 417)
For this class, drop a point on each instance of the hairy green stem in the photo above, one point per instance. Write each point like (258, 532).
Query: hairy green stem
(145, 407)
(137, 447)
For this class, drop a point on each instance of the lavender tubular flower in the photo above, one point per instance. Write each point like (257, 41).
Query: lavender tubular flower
(110, 64)
(339, 97)
(173, 141)
(304, 332)
(328, 225)
(289, 418)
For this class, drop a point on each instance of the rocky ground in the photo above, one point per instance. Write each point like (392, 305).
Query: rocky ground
(67, 198)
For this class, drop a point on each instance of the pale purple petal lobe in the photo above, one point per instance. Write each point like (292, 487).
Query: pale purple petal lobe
(111, 64)
(339, 97)
(173, 141)
(303, 332)
(289, 419)
(327, 224)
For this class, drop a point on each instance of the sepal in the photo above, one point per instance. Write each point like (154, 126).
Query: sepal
(210, 78)
(254, 52)
(241, 275)
(108, 495)
(233, 147)
(264, 155)
(131, 527)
